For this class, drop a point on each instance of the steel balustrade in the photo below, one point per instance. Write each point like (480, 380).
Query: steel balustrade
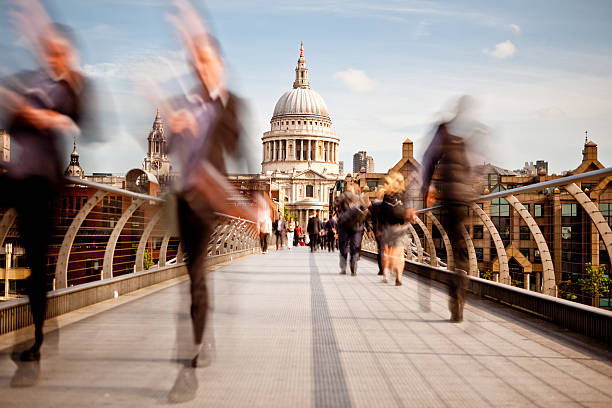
(231, 237)
(550, 277)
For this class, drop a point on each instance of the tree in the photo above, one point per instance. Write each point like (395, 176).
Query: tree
(148, 260)
(595, 282)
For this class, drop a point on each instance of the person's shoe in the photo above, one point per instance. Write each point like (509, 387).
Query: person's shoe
(185, 386)
(342, 272)
(353, 268)
(384, 279)
(398, 283)
(380, 273)
(30, 355)
(456, 309)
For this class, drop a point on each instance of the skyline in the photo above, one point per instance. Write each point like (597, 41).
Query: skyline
(542, 76)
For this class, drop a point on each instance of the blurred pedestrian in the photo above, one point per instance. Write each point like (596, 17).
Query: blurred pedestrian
(290, 232)
(392, 225)
(331, 229)
(279, 231)
(376, 224)
(313, 228)
(205, 127)
(265, 229)
(448, 153)
(40, 108)
(352, 211)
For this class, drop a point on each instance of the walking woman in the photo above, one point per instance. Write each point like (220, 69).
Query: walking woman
(393, 214)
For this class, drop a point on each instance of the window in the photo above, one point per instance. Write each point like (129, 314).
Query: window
(478, 231)
(605, 209)
(536, 255)
(526, 207)
(293, 122)
(479, 254)
(566, 232)
(568, 210)
(537, 210)
(525, 252)
(481, 205)
(524, 233)
(309, 191)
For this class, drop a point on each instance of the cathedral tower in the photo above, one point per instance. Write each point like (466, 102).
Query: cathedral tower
(157, 161)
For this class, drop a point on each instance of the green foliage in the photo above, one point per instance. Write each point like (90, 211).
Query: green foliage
(148, 260)
(288, 215)
(595, 282)
(486, 275)
(567, 290)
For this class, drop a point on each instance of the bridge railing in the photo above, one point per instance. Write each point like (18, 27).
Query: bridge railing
(550, 237)
(103, 232)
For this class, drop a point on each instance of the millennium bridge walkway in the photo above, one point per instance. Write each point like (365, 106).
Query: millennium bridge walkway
(287, 330)
(290, 331)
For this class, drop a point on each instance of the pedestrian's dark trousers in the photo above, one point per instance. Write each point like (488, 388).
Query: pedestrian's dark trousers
(350, 242)
(379, 254)
(263, 242)
(453, 224)
(331, 242)
(33, 198)
(195, 236)
(279, 240)
(314, 241)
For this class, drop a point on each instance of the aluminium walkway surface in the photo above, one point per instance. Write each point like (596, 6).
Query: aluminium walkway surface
(291, 332)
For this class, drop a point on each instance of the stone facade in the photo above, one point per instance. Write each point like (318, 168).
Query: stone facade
(300, 151)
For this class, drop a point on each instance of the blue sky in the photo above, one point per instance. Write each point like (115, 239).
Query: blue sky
(541, 71)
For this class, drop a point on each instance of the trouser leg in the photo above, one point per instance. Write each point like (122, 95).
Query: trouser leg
(379, 256)
(195, 235)
(35, 212)
(453, 224)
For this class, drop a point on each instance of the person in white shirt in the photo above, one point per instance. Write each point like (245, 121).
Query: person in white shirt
(290, 231)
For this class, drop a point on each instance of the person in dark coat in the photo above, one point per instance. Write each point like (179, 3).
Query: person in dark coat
(448, 154)
(376, 224)
(40, 108)
(352, 211)
(313, 228)
(205, 127)
(331, 229)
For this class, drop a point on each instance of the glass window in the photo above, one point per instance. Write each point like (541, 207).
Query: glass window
(479, 254)
(478, 232)
(526, 206)
(537, 210)
(525, 252)
(309, 191)
(566, 232)
(536, 255)
(568, 210)
(524, 233)
(605, 209)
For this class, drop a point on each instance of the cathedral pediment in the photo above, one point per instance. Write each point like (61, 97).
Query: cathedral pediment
(312, 174)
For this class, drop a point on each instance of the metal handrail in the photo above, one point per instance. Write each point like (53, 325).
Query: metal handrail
(531, 187)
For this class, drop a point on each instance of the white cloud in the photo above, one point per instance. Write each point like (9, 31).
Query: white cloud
(502, 50)
(356, 80)
(515, 28)
(149, 65)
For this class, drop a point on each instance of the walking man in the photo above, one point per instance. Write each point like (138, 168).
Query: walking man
(352, 211)
(313, 228)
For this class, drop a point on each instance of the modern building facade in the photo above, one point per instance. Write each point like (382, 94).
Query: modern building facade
(362, 160)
